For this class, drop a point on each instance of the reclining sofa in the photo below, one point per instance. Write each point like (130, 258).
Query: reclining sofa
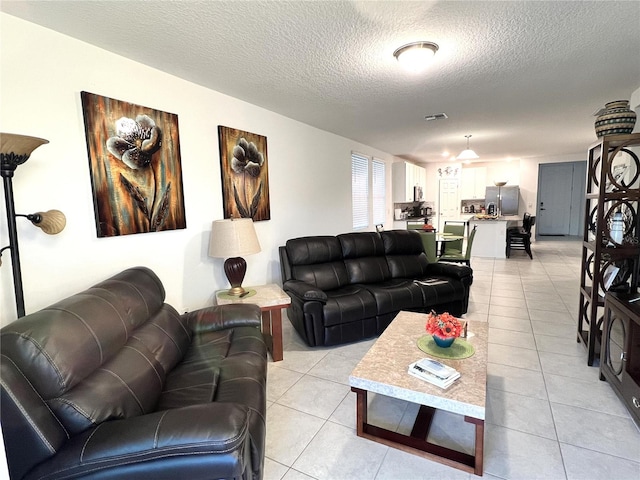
(351, 286)
(112, 383)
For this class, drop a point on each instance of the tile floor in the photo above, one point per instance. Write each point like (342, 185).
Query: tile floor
(548, 415)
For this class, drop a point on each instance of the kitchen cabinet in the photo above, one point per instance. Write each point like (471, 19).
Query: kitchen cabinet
(613, 185)
(620, 356)
(421, 178)
(473, 182)
(406, 176)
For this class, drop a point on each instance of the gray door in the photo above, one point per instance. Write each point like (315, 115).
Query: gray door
(560, 198)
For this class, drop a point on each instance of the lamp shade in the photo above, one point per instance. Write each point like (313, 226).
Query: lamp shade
(51, 222)
(233, 237)
(467, 154)
(16, 149)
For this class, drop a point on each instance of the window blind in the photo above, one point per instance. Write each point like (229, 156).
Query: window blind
(378, 190)
(360, 191)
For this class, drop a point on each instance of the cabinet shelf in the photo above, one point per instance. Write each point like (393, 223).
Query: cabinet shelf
(611, 196)
(587, 291)
(613, 184)
(613, 251)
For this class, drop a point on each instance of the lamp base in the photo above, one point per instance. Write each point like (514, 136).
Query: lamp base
(236, 291)
(235, 269)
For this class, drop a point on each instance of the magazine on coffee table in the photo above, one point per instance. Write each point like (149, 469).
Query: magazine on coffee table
(434, 372)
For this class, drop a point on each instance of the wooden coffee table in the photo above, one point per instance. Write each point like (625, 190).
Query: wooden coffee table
(383, 370)
(271, 299)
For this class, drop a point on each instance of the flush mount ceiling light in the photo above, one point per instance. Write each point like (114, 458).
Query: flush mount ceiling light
(467, 154)
(415, 56)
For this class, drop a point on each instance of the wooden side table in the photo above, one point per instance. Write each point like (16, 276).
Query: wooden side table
(271, 299)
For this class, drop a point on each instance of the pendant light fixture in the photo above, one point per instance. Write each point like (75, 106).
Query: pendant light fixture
(467, 154)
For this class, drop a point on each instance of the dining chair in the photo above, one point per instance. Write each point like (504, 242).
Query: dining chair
(429, 245)
(459, 257)
(455, 246)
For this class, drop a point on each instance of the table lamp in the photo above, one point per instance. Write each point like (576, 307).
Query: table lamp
(231, 239)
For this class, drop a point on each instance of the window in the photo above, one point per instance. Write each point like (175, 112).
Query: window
(360, 190)
(367, 191)
(378, 191)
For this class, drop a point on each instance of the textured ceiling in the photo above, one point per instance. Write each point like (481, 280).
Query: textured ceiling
(522, 77)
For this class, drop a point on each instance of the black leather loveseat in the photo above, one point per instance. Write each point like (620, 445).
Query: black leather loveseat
(351, 286)
(112, 383)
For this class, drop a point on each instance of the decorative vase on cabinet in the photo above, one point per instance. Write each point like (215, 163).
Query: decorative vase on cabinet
(616, 119)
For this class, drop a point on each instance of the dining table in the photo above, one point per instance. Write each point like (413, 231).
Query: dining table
(442, 238)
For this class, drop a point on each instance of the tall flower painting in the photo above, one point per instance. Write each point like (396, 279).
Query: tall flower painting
(245, 177)
(136, 174)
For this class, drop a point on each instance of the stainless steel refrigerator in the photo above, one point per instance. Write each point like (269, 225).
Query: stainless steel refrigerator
(510, 198)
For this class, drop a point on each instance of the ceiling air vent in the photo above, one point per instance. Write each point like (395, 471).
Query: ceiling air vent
(436, 116)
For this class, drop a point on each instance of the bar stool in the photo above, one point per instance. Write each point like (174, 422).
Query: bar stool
(519, 238)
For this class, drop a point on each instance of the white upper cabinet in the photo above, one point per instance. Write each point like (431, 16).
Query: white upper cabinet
(473, 182)
(406, 176)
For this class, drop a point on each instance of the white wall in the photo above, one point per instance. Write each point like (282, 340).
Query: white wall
(309, 173)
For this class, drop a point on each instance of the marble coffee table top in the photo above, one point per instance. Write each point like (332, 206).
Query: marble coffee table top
(383, 369)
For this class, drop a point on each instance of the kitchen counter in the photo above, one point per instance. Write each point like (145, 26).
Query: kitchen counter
(491, 235)
(488, 218)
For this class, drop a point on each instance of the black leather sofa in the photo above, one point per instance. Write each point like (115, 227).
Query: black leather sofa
(351, 286)
(112, 383)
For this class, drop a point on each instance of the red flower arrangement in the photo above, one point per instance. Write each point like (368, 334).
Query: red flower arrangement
(444, 325)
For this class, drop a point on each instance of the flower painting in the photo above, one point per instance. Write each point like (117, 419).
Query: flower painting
(245, 176)
(134, 159)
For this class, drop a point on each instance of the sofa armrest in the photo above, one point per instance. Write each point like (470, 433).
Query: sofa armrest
(304, 291)
(450, 270)
(224, 316)
(200, 441)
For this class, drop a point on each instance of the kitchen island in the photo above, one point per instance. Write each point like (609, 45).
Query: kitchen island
(491, 235)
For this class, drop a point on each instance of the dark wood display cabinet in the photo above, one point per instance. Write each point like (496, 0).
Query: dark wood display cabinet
(610, 248)
(620, 355)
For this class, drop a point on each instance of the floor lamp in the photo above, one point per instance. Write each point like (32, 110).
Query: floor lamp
(14, 151)
(499, 184)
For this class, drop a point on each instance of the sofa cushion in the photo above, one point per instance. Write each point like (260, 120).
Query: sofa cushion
(405, 254)
(350, 302)
(190, 384)
(361, 244)
(166, 335)
(439, 290)
(396, 294)
(132, 381)
(317, 261)
(364, 257)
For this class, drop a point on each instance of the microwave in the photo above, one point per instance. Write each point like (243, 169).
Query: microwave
(418, 194)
